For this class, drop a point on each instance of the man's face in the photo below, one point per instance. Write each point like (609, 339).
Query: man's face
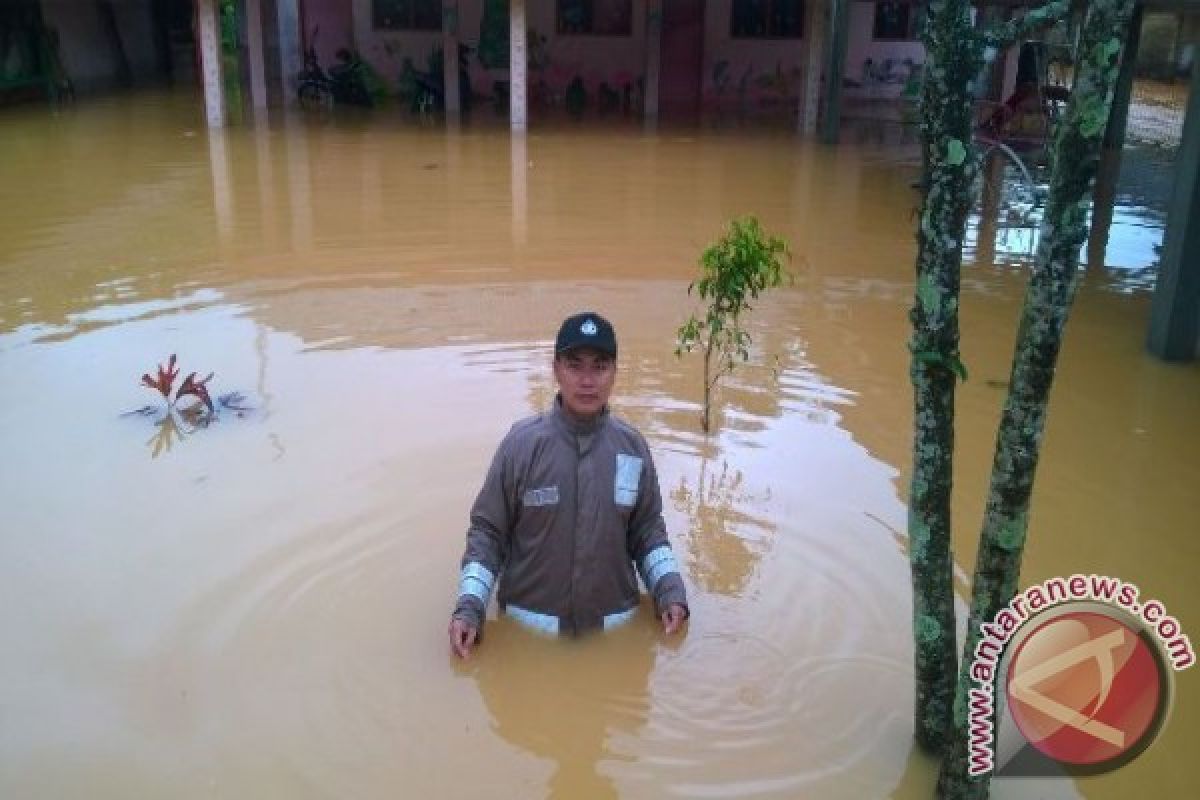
(585, 379)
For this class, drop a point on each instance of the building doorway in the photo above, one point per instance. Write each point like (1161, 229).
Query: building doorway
(682, 57)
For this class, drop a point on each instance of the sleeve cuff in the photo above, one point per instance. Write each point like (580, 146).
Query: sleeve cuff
(470, 610)
(670, 590)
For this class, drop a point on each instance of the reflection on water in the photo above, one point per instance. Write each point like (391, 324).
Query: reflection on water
(261, 611)
(168, 431)
(726, 541)
(567, 702)
(1127, 218)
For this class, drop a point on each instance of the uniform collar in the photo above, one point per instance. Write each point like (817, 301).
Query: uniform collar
(576, 426)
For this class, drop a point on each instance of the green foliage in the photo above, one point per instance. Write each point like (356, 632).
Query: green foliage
(374, 83)
(493, 35)
(229, 27)
(734, 271)
(230, 66)
(576, 97)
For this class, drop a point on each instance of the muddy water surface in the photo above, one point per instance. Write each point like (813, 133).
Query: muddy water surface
(258, 609)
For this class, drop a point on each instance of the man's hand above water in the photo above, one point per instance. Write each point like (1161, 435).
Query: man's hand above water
(673, 617)
(463, 636)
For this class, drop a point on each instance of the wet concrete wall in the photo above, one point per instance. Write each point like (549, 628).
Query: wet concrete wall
(863, 45)
(88, 50)
(751, 72)
(772, 68)
(1167, 45)
(333, 26)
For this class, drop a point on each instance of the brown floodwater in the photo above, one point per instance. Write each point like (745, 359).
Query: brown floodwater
(258, 609)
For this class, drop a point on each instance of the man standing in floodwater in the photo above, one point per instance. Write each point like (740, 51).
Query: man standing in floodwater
(568, 506)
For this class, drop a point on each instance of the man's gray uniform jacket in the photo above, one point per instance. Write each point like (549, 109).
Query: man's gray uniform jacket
(566, 511)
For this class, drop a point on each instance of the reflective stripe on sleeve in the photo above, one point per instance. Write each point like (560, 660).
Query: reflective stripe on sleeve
(533, 620)
(618, 619)
(658, 562)
(477, 581)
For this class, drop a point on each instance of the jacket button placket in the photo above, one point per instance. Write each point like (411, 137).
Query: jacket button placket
(583, 491)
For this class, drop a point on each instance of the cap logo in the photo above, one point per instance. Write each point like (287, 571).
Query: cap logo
(588, 328)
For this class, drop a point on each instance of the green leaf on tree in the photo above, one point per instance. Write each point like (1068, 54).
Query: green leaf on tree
(1011, 535)
(927, 294)
(935, 359)
(927, 628)
(955, 152)
(1106, 51)
(1091, 124)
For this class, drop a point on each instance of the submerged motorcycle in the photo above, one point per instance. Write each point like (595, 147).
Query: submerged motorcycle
(344, 84)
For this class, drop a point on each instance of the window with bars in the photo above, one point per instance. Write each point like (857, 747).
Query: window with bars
(767, 19)
(406, 15)
(595, 17)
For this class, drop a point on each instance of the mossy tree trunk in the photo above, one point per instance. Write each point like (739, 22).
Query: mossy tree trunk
(1075, 156)
(953, 57)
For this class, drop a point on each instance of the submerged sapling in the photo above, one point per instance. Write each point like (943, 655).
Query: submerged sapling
(734, 270)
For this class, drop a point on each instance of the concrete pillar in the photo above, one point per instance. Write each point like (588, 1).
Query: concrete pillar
(1118, 119)
(1175, 309)
(814, 61)
(210, 62)
(299, 183)
(291, 46)
(989, 208)
(517, 103)
(1012, 60)
(519, 155)
(264, 166)
(1104, 202)
(835, 69)
(222, 187)
(254, 48)
(654, 17)
(994, 70)
(450, 58)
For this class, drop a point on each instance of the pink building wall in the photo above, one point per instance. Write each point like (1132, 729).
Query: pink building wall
(334, 21)
(749, 74)
(862, 45)
(386, 50)
(611, 59)
(614, 60)
(770, 70)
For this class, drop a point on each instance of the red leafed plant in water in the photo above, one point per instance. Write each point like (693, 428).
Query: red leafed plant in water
(196, 388)
(165, 380)
(179, 422)
(166, 377)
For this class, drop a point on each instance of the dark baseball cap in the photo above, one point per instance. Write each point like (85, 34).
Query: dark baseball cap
(586, 329)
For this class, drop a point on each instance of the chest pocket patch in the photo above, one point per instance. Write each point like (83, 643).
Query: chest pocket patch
(540, 497)
(629, 475)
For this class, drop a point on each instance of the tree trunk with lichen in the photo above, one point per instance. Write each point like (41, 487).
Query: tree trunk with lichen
(954, 55)
(952, 60)
(1075, 156)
